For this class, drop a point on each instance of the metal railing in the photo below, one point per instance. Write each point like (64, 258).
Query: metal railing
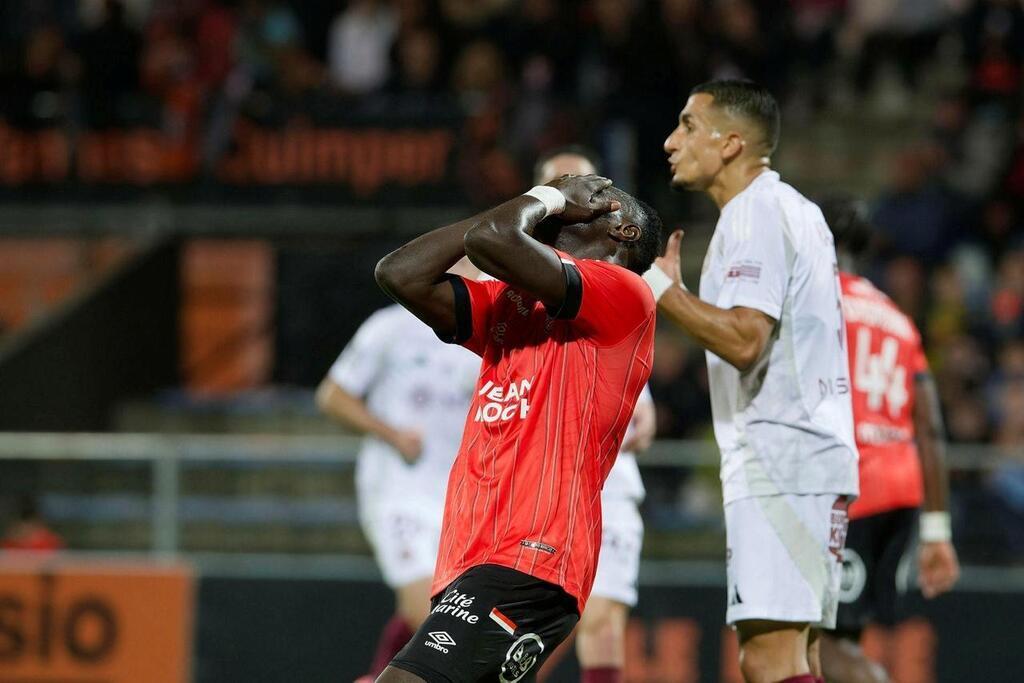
(167, 454)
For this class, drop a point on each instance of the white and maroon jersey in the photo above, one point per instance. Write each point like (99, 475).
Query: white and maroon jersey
(885, 357)
(624, 481)
(412, 380)
(785, 425)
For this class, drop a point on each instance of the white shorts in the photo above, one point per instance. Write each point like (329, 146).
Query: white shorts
(784, 558)
(618, 566)
(405, 535)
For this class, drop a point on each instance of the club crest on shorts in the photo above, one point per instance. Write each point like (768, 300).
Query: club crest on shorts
(521, 657)
(855, 576)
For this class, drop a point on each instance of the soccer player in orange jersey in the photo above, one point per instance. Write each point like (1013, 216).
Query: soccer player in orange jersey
(601, 633)
(566, 335)
(899, 435)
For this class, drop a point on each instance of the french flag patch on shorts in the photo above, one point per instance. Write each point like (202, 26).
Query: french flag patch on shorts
(504, 622)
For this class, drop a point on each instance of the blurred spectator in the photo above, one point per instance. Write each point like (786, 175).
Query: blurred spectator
(418, 64)
(478, 80)
(472, 16)
(1015, 177)
(815, 25)
(541, 51)
(167, 73)
(967, 421)
(359, 46)
(895, 33)
(999, 225)
(1007, 305)
(267, 33)
(30, 532)
(947, 315)
(904, 282)
(479, 75)
(993, 40)
(917, 215)
(685, 25)
(744, 47)
(110, 74)
(35, 90)
(961, 371)
(1010, 425)
(216, 28)
(679, 385)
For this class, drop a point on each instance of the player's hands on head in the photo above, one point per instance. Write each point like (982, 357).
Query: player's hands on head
(669, 262)
(409, 445)
(584, 197)
(938, 568)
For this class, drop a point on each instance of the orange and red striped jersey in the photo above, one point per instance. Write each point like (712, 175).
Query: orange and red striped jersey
(885, 356)
(555, 395)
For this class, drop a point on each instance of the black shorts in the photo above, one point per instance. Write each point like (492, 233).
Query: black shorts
(491, 623)
(870, 593)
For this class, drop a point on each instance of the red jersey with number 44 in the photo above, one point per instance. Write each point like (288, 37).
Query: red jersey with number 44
(885, 356)
(555, 395)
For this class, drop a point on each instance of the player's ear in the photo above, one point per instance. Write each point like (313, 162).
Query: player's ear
(627, 232)
(732, 146)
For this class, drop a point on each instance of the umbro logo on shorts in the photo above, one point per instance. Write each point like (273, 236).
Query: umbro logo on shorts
(440, 641)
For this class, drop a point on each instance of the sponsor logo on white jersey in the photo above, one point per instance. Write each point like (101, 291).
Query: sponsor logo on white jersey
(502, 404)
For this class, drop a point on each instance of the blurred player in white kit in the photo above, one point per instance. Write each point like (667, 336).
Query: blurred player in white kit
(601, 632)
(770, 318)
(409, 393)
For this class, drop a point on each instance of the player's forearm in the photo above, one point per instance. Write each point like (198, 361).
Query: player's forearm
(723, 332)
(498, 237)
(351, 412)
(409, 272)
(931, 444)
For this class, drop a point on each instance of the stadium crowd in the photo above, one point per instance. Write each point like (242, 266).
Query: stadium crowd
(531, 74)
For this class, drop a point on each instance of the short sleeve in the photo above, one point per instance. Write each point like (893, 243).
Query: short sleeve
(755, 271)
(604, 301)
(361, 362)
(474, 303)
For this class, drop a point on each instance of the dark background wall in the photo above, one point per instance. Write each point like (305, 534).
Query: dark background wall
(273, 631)
(117, 340)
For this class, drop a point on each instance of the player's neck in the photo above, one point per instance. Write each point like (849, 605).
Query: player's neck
(735, 178)
(578, 248)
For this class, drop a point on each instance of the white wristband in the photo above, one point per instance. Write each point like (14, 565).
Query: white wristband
(552, 199)
(657, 281)
(935, 527)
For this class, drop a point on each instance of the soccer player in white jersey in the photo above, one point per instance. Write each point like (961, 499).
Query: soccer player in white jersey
(770, 318)
(601, 632)
(409, 393)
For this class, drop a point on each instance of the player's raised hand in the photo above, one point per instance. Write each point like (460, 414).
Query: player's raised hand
(584, 197)
(938, 568)
(409, 445)
(669, 262)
